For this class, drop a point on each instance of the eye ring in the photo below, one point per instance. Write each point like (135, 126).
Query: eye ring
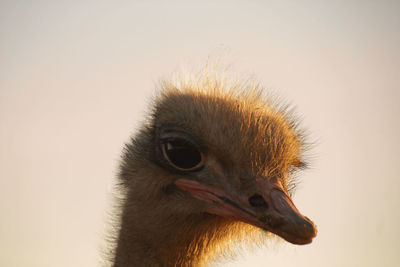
(182, 154)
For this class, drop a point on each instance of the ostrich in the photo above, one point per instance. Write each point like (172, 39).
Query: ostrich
(211, 165)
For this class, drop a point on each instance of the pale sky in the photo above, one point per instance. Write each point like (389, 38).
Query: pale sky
(76, 77)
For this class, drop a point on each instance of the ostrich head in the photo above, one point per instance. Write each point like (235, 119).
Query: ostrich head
(207, 160)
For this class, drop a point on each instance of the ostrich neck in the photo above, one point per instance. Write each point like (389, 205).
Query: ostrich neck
(158, 237)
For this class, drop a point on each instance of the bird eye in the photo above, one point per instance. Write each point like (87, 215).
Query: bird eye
(182, 154)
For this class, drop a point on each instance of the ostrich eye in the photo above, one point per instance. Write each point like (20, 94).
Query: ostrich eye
(182, 154)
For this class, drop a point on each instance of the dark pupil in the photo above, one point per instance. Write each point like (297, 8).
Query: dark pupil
(182, 154)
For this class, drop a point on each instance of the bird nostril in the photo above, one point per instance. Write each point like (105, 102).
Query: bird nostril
(258, 201)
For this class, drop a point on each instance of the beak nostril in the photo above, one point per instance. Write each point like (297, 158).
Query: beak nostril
(258, 201)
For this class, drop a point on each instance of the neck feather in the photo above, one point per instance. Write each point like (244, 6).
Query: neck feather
(156, 237)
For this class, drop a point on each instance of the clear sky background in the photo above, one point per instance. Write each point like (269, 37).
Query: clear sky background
(76, 76)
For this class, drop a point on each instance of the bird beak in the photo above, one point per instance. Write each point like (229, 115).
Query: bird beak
(270, 209)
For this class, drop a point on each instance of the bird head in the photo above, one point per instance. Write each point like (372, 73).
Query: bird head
(229, 155)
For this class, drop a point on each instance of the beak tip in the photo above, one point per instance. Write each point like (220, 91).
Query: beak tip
(301, 232)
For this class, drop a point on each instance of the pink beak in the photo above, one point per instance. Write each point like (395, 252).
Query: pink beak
(270, 209)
